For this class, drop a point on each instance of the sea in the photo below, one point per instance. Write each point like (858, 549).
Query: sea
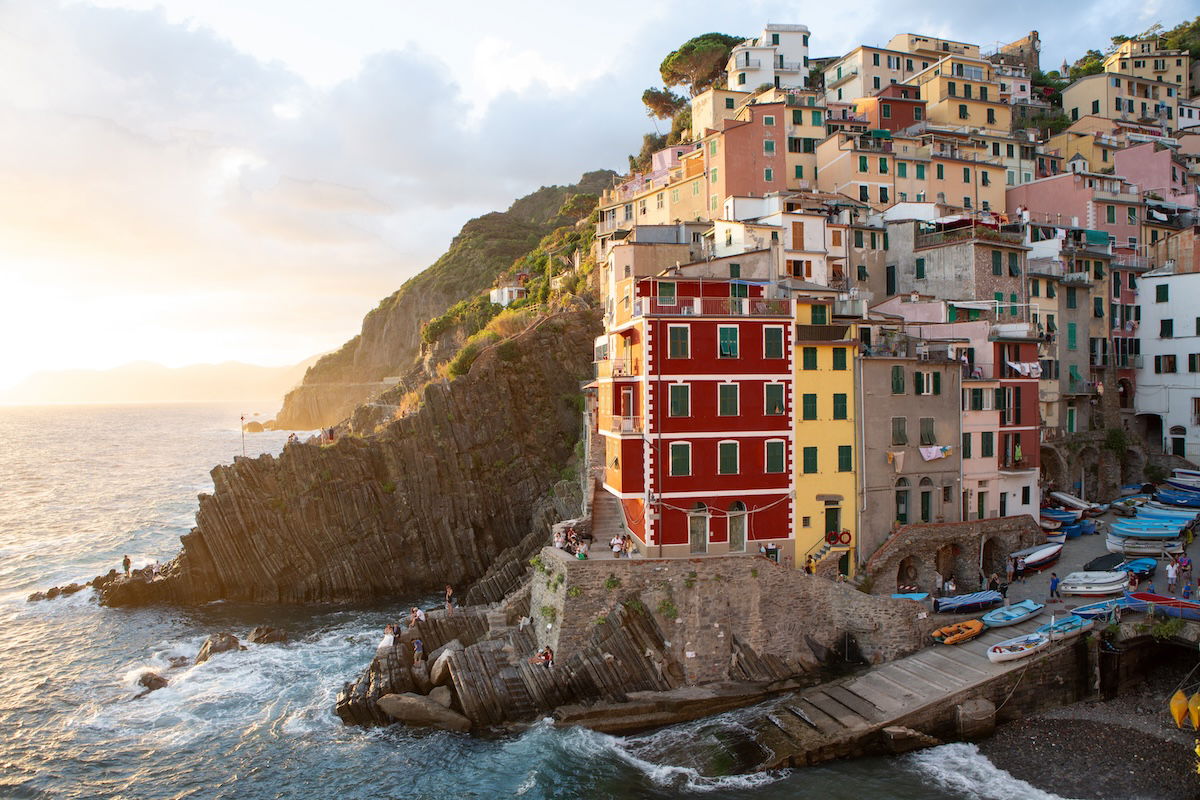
(82, 486)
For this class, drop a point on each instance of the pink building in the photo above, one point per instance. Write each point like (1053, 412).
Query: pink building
(1108, 203)
(1157, 169)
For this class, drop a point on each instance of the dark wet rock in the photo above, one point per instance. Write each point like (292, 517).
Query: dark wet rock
(217, 643)
(152, 681)
(265, 634)
(35, 597)
(253, 426)
(178, 662)
(422, 712)
(71, 588)
(53, 593)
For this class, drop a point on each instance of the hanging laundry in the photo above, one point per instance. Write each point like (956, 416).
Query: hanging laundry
(932, 452)
(896, 459)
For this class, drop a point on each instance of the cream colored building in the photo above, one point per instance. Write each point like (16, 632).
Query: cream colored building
(931, 47)
(865, 70)
(1149, 59)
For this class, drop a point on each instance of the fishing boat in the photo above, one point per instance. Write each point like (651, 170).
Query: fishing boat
(1049, 523)
(1129, 506)
(1057, 537)
(1061, 514)
(1102, 608)
(1142, 567)
(1132, 546)
(1165, 605)
(1184, 484)
(1181, 499)
(1160, 506)
(1019, 647)
(1119, 530)
(1066, 628)
(1180, 472)
(959, 632)
(975, 601)
(1012, 614)
(1039, 556)
(1148, 511)
(1071, 501)
(1094, 583)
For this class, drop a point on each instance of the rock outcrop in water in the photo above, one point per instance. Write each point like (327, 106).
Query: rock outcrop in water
(432, 499)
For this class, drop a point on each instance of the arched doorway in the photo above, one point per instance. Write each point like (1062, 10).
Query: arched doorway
(991, 558)
(907, 574)
(1133, 466)
(946, 555)
(1178, 441)
(926, 500)
(698, 528)
(902, 501)
(1151, 426)
(1086, 480)
(1054, 468)
(737, 527)
(1125, 393)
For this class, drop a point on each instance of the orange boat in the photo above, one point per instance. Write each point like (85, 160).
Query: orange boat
(959, 632)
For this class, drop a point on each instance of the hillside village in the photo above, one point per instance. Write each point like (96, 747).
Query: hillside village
(918, 283)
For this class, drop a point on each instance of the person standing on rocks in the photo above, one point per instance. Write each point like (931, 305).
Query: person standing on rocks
(449, 600)
(418, 651)
(126, 563)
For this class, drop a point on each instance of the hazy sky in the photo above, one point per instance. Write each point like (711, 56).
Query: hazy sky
(200, 180)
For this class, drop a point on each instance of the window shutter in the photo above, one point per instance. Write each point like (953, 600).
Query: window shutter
(918, 382)
(937, 383)
(897, 380)
(999, 405)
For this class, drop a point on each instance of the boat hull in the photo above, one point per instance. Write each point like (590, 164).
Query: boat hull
(1067, 628)
(1164, 605)
(1019, 647)
(1013, 614)
(1094, 584)
(1157, 548)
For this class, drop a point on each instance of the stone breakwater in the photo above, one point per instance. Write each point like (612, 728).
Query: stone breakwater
(431, 499)
(639, 643)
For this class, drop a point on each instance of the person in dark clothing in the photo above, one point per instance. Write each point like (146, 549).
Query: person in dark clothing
(1055, 597)
(126, 563)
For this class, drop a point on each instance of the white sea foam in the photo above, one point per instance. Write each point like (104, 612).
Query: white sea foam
(962, 769)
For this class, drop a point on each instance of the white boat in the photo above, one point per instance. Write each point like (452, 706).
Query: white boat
(1094, 583)
(1056, 538)
(1067, 627)
(1038, 556)
(1179, 472)
(1071, 501)
(1130, 546)
(1018, 647)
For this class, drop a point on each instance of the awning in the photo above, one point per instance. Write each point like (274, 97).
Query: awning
(1096, 237)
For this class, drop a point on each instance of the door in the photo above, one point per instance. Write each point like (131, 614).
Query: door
(1004, 504)
(891, 280)
(1177, 447)
(698, 532)
(737, 532)
(833, 521)
(902, 506)
(980, 505)
(926, 506)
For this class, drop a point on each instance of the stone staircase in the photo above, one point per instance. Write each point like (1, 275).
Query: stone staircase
(608, 519)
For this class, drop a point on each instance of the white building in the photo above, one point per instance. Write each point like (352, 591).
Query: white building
(778, 57)
(1188, 114)
(1168, 381)
(503, 295)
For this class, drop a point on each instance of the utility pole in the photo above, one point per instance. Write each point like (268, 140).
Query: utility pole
(243, 435)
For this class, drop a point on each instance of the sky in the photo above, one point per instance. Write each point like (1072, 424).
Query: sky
(195, 181)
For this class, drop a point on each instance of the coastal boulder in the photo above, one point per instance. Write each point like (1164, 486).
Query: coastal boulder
(442, 696)
(253, 426)
(422, 712)
(217, 643)
(151, 681)
(265, 634)
(439, 665)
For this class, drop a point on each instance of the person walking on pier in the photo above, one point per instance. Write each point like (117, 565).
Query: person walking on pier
(1010, 570)
(1055, 597)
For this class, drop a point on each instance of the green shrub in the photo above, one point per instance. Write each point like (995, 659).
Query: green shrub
(667, 609)
(601, 620)
(1167, 628)
(508, 351)
(636, 606)
(537, 563)
(389, 486)
(549, 614)
(574, 591)
(612, 582)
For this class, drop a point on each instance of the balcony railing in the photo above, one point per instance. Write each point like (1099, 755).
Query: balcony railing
(747, 63)
(1015, 464)
(625, 424)
(615, 368)
(713, 307)
(845, 76)
(789, 66)
(966, 234)
(1128, 360)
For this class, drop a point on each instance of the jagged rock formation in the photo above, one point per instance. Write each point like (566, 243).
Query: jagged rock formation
(390, 340)
(432, 499)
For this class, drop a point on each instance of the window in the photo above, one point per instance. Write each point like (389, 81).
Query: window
(1071, 336)
(897, 379)
(816, 117)
(773, 342)
(901, 169)
(1014, 265)
(678, 341)
(1111, 214)
(839, 406)
(966, 174)
(1161, 293)
(727, 458)
(809, 357)
(768, 175)
(809, 407)
(727, 341)
(883, 194)
(776, 462)
(666, 293)
(820, 315)
(883, 166)
(962, 111)
(991, 114)
(927, 437)
(729, 102)
(799, 173)
(918, 113)
(845, 458)
(858, 238)
(875, 59)
(952, 88)
(864, 193)
(768, 147)
(966, 445)
(1098, 307)
(1193, 362)
(773, 397)
(899, 430)
(1072, 298)
(941, 172)
(1131, 216)
(987, 444)
(727, 399)
(885, 110)
(735, 270)
(681, 400)
(839, 354)
(769, 120)
(1166, 328)
(997, 262)
(862, 164)
(985, 179)
(1098, 270)
(681, 458)
(741, 79)
(810, 460)
(1164, 364)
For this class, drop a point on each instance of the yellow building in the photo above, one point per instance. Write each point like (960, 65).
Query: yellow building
(826, 453)
(1125, 97)
(713, 105)
(931, 47)
(961, 92)
(1150, 59)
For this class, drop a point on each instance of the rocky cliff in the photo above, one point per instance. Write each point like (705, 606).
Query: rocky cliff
(432, 498)
(390, 339)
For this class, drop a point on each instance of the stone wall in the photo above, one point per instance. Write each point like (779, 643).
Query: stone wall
(962, 547)
(710, 607)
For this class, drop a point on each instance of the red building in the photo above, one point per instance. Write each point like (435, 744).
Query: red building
(1019, 454)
(694, 401)
(893, 108)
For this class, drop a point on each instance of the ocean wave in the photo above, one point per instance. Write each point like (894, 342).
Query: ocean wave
(962, 769)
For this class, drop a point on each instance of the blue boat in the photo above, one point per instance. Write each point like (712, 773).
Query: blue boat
(1142, 567)
(1144, 533)
(920, 597)
(1182, 499)
(1164, 605)
(967, 602)
(1012, 614)
(1072, 531)
(1151, 512)
(1066, 627)
(1147, 525)
(1182, 485)
(1102, 608)
(1087, 526)
(1060, 514)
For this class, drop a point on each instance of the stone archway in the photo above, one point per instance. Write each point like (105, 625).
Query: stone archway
(1088, 461)
(945, 559)
(908, 573)
(1133, 466)
(1054, 468)
(992, 558)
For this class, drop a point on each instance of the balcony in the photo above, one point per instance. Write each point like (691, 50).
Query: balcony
(1130, 262)
(1128, 360)
(615, 368)
(845, 76)
(625, 424)
(966, 234)
(713, 307)
(788, 66)
(1009, 464)
(1077, 278)
(747, 63)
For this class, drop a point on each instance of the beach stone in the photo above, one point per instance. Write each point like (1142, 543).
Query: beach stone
(152, 681)
(422, 712)
(254, 426)
(265, 634)
(439, 672)
(442, 695)
(71, 588)
(217, 643)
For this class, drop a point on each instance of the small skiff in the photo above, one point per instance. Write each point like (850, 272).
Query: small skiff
(967, 602)
(1165, 605)
(1067, 627)
(1100, 609)
(1012, 614)
(1039, 556)
(1071, 501)
(1056, 538)
(1050, 524)
(1061, 514)
(959, 632)
(1094, 583)
(1019, 647)
(1144, 547)
(1142, 567)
